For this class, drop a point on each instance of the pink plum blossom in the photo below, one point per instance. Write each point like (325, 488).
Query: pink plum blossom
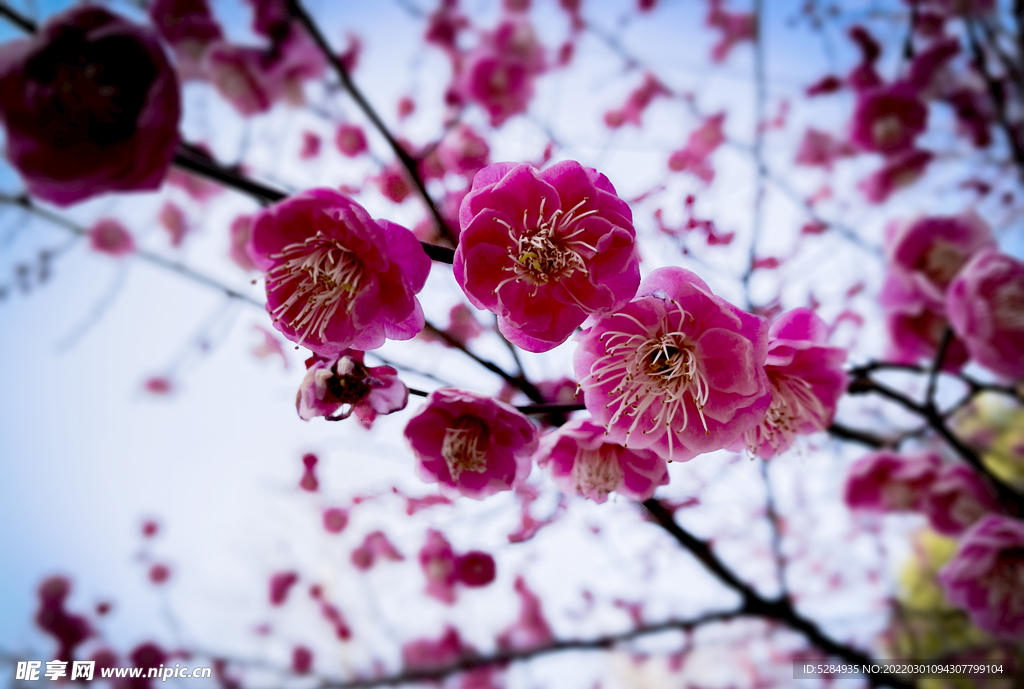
(637, 102)
(545, 249)
(423, 654)
(189, 27)
(475, 568)
(897, 172)
(807, 379)
(957, 499)
(280, 584)
(821, 149)
(531, 629)
(582, 462)
(986, 576)
(375, 546)
(335, 278)
(703, 141)
(986, 309)
(108, 236)
(350, 140)
(915, 334)
(926, 253)
(887, 481)
(735, 27)
(463, 151)
(888, 119)
(91, 105)
(238, 252)
(471, 443)
(678, 370)
(437, 559)
(331, 384)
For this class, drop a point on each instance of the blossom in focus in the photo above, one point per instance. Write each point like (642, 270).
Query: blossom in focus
(887, 481)
(108, 236)
(985, 303)
(888, 119)
(807, 379)
(678, 370)
(91, 105)
(471, 443)
(986, 576)
(335, 278)
(331, 384)
(582, 462)
(545, 249)
(957, 499)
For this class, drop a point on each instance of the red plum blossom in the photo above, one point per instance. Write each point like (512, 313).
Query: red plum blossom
(807, 379)
(91, 105)
(330, 385)
(108, 236)
(986, 576)
(986, 309)
(678, 370)
(888, 119)
(957, 499)
(545, 249)
(887, 481)
(582, 462)
(335, 278)
(471, 443)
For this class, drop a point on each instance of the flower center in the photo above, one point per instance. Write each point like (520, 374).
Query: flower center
(654, 376)
(1008, 306)
(942, 262)
(887, 131)
(460, 447)
(348, 384)
(793, 404)
(596, 471)
(549, 250)
(319, 276)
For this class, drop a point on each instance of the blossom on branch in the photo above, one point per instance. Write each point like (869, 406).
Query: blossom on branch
(986, 309)
(887, 481)
(331, 384)
(545, 249)
(807, 379)
(957, 499)
(91, 105)
(986, 576)
(471, 443)
(336, 278)
(678, 370)
(581, 461)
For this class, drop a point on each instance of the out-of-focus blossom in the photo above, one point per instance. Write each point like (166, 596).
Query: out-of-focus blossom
(986, 576)
(887, 481)
(864, 76)
(957, 499)
(189, 27)
(392, 183)
(375, 547)
(915, 334)
(108, 236)
(280, 584)
(173, 219)
(437, 560)
(240, 231)
(897, 172)
(302, 660)
(581, 461)
(471, 443)
(807, 379)
(703, 141)
(69, 630)
(821, 149)
(475, 568)
(91, 105)
(463, 151)
(888, 119)
(677, 370)
(735, 27)
(350, 140)
(336, 278)
(335, 519)
(545, 249)
(424, 654)
(637, 102)
(331, 384)
(986, 309)
(531, 629)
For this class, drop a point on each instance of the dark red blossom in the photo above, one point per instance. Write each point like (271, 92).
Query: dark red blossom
(91, 106)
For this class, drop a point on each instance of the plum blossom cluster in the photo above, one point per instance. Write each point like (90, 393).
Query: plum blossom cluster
(946, 272)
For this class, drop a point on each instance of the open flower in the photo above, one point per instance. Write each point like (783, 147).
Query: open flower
(335, 278)
(545, 249)
(581, 461)
(957, 499)
(677, 370)
(887, 481)
(91, 105)
(807, 379)
(986, 576)
(986, 309)
(471, 443)
(330, 385)
(887, 119)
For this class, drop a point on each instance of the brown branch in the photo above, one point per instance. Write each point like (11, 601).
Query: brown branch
(19, 20)
(753, 603)
(408, 162)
